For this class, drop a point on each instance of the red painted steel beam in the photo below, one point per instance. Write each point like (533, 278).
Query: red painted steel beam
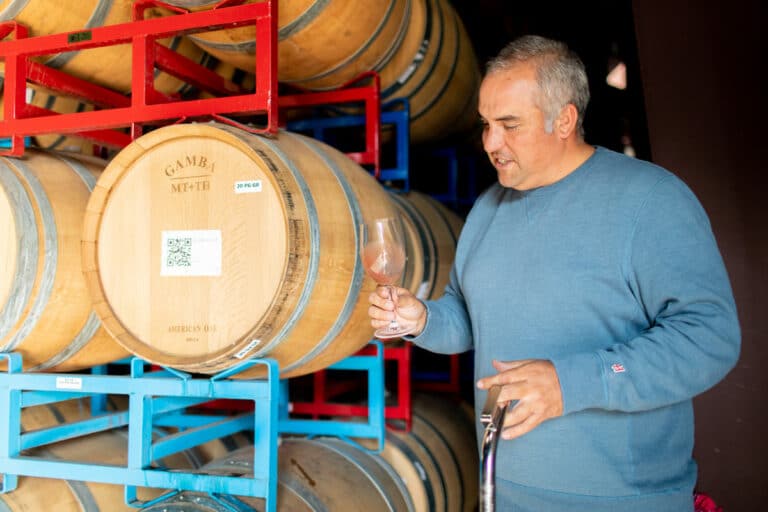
(193, 73)
(111, 138)
(266, 62)
(69, 85)
(123, 33)
(14, 82)
(78, 121)
(145, 105)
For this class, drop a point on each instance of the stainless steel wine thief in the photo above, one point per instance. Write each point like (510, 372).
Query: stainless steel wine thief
(492, 416)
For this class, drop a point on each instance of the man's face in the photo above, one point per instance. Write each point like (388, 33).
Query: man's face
(514, 135)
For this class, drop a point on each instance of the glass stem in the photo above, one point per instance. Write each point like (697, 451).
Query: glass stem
(393, 325)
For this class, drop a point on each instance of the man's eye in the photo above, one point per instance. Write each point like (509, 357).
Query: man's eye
(511, 126)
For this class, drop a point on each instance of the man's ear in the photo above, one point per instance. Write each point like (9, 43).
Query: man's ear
(565, 124)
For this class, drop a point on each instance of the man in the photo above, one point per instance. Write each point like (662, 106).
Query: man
(591, 288)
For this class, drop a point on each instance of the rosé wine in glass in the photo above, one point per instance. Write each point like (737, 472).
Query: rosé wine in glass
(384, 262)
(382, 249)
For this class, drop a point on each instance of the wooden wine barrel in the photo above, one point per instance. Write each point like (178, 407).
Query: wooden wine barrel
(427, 465)
(440, 78)
(45, 309)
(457, 432)
(417, 467)
(435, 69)
(313, 475)
(204, 245)
(321, 44)
(431, 231)
(437, 459)
(419, 48)
(109, 66)
(107, 448)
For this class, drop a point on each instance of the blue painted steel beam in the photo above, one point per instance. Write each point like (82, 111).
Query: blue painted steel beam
(152, 397)
(395, 113)
(372, 427)
(73, 430)
(192, 437)
(160, 478)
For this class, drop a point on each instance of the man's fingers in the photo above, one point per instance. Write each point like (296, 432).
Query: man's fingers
(380, 317)
(502, 366)
(517, 413)
(518, 429)
(504, 378)
(383, 303)
(506, 374)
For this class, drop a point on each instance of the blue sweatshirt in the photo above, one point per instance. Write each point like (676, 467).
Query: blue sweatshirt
(614, 275)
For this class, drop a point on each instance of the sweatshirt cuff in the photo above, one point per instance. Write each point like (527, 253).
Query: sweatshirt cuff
(581, 382)
(428, 314)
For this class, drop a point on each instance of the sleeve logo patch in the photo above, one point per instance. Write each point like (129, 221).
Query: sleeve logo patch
(618, 368)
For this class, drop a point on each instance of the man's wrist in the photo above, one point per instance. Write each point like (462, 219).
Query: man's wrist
(422, 321)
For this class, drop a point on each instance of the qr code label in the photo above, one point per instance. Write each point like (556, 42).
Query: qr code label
(179, 252)
(191, 253)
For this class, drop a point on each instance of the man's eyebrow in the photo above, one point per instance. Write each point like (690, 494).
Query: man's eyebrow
(503, 118)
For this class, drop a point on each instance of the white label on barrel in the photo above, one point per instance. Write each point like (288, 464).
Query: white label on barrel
(247, 187)
(247, 349)
(69, 383)
(191, 253)
(421, 293)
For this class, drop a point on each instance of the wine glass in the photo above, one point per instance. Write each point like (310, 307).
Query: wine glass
(382, 249)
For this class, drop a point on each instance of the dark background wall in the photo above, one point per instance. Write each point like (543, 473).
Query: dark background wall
(700, 65)
(694, 104)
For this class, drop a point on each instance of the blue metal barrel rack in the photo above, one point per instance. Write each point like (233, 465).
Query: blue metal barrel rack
(161, 398)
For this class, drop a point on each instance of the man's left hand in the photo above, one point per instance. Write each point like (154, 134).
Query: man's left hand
(535, 386)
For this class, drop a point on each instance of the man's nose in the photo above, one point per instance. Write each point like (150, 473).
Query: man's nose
(492, 139)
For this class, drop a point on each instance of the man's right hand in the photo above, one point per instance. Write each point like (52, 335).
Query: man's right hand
(409, 311)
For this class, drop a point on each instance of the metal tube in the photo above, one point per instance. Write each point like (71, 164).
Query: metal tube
(493, 421)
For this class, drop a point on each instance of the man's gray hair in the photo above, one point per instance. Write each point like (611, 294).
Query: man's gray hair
(560, 75)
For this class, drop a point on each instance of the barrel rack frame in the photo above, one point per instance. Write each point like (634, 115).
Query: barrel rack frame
(162, 397)
(145, 105)
(394, 113)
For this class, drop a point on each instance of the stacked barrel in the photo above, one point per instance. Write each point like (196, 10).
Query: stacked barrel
(45, 311)
(431, 468)
(200, 245)
(419, 48)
